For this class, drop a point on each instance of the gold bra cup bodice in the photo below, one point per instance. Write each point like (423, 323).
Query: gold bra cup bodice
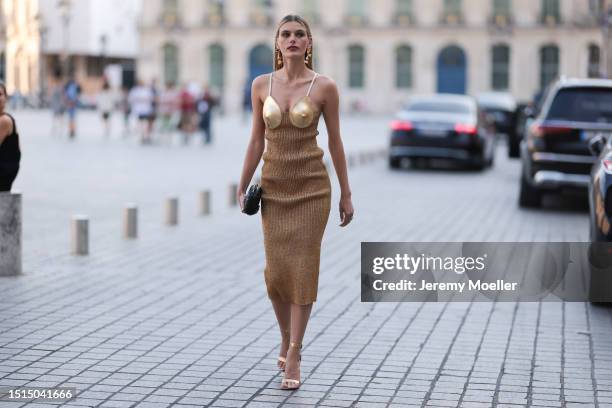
(300, 115)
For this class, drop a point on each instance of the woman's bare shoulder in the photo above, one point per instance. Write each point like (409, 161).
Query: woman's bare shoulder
(327, 83)
(260, 81)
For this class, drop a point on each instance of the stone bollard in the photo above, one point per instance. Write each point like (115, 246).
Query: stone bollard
(233, 190)
(80, 235)
(130, 221)
(204, 202)
(172, 211)
(10, 234)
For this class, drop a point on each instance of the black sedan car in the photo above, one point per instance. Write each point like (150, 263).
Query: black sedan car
(600, 192)
(555, 152)
(504, 110)
(442, 126)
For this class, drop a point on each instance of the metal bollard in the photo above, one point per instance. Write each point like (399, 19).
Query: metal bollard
(172, 211)
(233, 190)
(130, 221)
(204, 202)
(10, 234)
(80, 235)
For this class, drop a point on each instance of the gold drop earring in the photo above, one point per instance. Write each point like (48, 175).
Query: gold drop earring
(279, 58)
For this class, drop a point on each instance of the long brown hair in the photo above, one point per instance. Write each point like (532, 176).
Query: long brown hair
(278, 56)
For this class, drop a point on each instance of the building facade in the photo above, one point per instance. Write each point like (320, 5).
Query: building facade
(47, 39)
(378, 51)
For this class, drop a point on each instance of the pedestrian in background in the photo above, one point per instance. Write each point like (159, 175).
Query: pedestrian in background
(106, 104)
(205, 106)
(246, 101)
(154, 107)
(57, 107)
(169, 102)
(10, 152)
(72, 91)
(141, 102)
(126, 108)
(188, 110)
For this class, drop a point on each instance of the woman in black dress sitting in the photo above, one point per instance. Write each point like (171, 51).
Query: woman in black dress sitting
(10, 154)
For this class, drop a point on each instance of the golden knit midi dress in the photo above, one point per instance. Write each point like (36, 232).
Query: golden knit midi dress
(296, 198)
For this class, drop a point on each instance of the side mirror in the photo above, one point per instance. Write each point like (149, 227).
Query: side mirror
(529, 112)
(597, 144)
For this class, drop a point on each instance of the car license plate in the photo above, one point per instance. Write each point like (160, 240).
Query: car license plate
(589, 134)
(432, 132)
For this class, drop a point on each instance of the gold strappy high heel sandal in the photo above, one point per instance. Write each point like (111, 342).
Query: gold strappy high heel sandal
(288, 383)
(282, 360)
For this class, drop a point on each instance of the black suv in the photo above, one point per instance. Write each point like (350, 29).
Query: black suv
(555, 152)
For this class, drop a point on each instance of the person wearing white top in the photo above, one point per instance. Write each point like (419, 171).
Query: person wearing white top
(141, 100)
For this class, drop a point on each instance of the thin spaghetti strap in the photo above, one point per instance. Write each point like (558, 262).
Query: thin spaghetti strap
(311, 83)
(270, 86)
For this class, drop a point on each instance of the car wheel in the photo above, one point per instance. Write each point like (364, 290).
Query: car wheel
(529, 196)
(394, 162)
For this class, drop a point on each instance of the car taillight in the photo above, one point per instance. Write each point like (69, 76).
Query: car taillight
(607, 164)
(401, 125)
(462, 128)
(544, 130)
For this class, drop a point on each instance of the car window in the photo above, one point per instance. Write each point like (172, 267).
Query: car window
(588, 104)
(446, 107)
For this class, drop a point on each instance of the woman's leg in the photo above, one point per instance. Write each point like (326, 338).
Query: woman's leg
(299, 319)
(283, 316)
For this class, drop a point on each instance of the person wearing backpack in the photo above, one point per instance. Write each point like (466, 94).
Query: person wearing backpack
(72, 91)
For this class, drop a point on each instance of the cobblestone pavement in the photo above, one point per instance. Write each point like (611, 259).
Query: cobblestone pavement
(180, 316)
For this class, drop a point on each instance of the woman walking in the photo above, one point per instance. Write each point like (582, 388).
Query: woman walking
(10, 154)
(296, 197)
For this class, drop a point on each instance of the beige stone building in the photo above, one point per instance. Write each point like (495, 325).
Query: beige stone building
(22, 45)
(378, 51)
(45, 39)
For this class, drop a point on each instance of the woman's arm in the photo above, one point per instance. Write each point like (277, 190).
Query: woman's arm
(336, 148)
(256, 144)
(6, 127)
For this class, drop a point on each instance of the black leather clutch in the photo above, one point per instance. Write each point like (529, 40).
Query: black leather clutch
(252, 199)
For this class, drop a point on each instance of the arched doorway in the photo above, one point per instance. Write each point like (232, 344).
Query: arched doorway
(452, 70)
(260, 61)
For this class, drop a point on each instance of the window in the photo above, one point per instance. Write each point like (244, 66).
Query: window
(216, 55)
(356, 66)
(403, 67)
(171, 67)
(588, 104)
(551, 13)
(403, 12)
(262, 13)
(452, 12)
(170, 13)
(356, 12)
(216, 12)
(549, 64)
(594, 69)
(502, 13)
(310, 11)
(500, 73)
(94, 66)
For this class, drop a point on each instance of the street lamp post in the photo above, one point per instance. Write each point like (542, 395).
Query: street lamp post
(42, 32)
(65, 7)
(103, 42)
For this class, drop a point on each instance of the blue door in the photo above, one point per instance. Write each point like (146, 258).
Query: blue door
(260, 61)
(452, 70)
